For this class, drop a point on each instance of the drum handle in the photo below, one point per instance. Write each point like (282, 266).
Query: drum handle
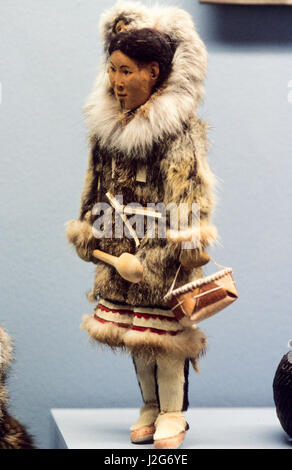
(174, 281)
(217, 264)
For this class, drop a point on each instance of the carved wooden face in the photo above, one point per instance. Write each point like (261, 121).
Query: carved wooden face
(131, 81)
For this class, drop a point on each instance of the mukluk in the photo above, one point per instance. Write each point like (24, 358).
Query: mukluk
(150, 331)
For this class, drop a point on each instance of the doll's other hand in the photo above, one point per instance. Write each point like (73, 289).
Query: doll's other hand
(193, 258)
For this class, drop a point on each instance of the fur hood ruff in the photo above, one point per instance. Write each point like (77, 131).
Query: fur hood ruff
(173, 105)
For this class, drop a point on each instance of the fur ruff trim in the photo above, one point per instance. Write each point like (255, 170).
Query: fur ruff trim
(166, 112)
(104, 333)
(190, 343)
(80, 233)
(209, 235)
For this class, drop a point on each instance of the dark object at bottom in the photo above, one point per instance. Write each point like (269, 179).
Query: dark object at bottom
(282, 387)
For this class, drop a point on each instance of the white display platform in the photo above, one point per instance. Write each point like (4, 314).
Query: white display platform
(210, 428)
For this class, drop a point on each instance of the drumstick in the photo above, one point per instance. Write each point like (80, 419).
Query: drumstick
(127, 265)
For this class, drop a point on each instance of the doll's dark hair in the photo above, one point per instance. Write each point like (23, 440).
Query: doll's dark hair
(146, 45)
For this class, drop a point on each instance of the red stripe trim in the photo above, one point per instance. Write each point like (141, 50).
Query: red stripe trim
(155, 330)
(136, 328)
(148, 316)
(101, 320)
(121, 312)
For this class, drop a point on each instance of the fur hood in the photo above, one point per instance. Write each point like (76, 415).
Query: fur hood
(167, 110)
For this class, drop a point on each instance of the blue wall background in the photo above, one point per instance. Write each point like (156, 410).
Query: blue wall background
(48, 57)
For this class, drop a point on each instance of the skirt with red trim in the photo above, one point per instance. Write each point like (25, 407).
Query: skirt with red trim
(151, 330)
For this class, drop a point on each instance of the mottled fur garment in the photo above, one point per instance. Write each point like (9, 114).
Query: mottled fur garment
(166, 136)
(12, 434)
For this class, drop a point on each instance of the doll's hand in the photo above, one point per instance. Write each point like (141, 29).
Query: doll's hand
(193, 258)
(86, 255)
(127, 265)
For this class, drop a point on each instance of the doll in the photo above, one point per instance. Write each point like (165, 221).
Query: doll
(148, 147)
(12, 434)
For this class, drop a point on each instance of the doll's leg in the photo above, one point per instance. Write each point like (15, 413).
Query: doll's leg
(171, 425)
(142, 431)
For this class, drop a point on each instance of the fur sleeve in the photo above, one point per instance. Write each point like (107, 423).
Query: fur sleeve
(188, 179)
(79, 232)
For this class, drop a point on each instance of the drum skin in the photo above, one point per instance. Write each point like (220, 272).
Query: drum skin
(282, 388)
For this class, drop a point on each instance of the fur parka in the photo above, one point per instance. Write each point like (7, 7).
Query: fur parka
(166, 137)
(13, 435)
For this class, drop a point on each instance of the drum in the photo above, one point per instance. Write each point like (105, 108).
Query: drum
(202, 298)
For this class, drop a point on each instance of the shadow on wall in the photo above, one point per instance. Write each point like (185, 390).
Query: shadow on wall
(245, 24)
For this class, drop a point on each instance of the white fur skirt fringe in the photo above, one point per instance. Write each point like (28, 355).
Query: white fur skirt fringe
(143, 330)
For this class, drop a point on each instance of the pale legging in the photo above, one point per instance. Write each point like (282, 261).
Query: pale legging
(163, 382)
